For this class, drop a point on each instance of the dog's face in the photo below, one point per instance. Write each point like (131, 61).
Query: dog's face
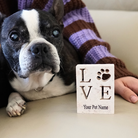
(31, 41)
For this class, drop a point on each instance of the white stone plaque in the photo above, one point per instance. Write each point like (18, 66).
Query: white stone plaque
(95, 88)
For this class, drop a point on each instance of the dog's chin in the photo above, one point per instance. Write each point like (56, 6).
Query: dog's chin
(26, 73)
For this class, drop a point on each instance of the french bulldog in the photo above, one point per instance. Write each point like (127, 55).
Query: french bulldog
(38, 61)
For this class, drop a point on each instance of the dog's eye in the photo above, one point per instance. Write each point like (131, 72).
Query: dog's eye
(55, 33)
(14, 36)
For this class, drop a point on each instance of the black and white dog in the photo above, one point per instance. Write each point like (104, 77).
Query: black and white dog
(38, 62)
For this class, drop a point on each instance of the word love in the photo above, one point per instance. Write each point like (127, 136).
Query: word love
(95, 88)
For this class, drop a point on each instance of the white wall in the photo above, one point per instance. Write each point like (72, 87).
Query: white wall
(112, 4)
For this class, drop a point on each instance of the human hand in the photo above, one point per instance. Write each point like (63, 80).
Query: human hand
(127, 87)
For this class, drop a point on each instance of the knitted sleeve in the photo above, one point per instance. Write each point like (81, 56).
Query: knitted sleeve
(80, 30)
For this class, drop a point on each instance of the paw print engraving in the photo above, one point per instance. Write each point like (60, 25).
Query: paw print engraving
(103, 74)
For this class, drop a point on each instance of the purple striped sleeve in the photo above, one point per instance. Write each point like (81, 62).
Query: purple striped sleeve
(96, 53)
(66, 1)
(24, 4)
(80, 37)
(75, 15)
(48, 5)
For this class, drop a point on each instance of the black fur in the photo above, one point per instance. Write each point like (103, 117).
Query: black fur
(5, 87)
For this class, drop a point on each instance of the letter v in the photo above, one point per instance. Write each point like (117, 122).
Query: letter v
(86, 96)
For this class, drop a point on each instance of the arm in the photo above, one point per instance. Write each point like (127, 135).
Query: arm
(81, 31)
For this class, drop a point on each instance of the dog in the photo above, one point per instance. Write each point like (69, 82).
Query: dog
(38, 61)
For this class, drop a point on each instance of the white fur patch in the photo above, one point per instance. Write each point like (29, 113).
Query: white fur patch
(31, 18)
(55, 88)
(35, 80)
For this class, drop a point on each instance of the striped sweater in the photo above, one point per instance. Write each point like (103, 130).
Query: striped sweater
(79, 29)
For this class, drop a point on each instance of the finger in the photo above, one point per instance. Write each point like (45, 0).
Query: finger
(132, 84)
(125, 92)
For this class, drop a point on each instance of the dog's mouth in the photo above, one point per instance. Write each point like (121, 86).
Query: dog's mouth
(53, 68)
(48, 66)
(38, 68)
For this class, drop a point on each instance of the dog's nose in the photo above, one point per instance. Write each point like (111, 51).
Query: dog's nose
(39, 49)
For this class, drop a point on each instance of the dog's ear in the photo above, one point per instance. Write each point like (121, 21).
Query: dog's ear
(57, 10)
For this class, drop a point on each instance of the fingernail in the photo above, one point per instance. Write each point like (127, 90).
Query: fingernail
(134, 99)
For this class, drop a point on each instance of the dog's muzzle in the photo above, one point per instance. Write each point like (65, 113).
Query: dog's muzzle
(38, 56)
